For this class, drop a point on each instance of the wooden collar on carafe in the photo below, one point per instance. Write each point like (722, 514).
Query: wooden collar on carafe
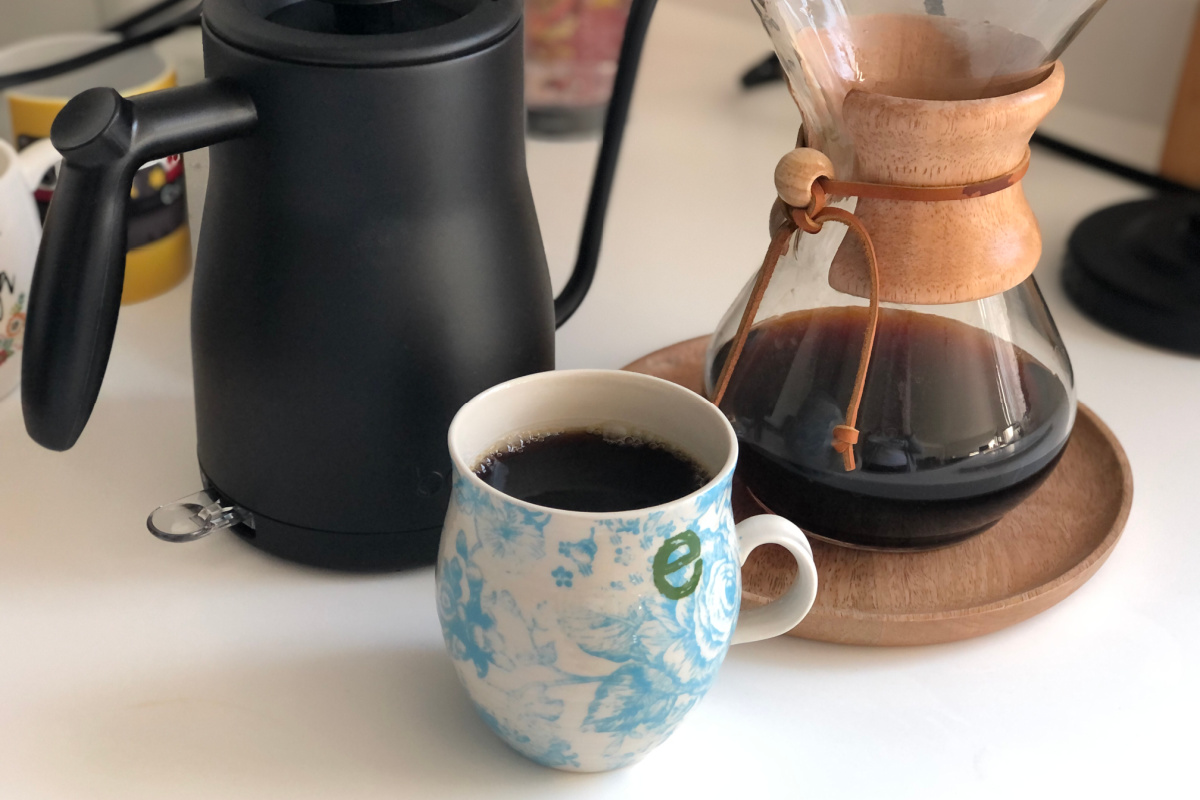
(804, 180)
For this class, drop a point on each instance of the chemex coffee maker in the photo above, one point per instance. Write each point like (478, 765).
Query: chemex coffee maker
(369, 260)
(892, 371)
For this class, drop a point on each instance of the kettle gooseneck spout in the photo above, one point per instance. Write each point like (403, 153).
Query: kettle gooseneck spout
(568, 302)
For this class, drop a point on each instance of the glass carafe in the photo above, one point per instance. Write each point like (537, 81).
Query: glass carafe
(969, 398)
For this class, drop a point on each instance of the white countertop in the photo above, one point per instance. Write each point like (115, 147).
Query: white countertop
(132, 669)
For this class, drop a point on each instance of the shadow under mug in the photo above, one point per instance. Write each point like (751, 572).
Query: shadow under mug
(584, 638)
(160, 245)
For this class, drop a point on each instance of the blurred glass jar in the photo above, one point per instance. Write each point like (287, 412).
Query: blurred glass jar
(571, 50)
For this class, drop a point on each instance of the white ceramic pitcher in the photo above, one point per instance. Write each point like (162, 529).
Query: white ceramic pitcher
(20, 233)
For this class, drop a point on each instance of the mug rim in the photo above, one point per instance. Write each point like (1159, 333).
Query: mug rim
(468, 472)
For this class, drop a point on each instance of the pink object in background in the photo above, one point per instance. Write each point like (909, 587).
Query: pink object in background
(571, 50)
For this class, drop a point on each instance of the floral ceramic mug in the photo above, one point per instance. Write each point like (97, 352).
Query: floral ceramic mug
(584, 638)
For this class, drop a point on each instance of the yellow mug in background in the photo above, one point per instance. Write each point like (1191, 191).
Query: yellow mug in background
(160, 250)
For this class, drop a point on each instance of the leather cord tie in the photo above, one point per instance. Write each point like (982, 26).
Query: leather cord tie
(811, 218)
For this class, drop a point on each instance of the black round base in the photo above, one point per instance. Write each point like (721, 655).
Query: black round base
(1135, 268)
(344, 552)
(553, 122)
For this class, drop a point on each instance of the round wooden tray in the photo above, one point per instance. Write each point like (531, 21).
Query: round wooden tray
(1036, 556)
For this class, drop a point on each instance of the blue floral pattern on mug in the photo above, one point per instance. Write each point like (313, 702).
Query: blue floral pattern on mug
(582, 643)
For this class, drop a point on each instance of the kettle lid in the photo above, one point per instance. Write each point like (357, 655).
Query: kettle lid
(361, 33)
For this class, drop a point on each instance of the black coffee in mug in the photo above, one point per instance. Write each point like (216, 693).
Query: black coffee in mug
(590, 471)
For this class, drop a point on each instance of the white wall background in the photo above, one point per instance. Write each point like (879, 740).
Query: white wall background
(116, 9)
(1123, 70)
(1122, 73)
(22, 18)
(1127, 61)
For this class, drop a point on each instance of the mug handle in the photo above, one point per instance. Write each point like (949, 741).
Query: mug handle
(785, 613)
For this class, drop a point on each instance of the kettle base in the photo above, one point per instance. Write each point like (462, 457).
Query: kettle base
(343, 552)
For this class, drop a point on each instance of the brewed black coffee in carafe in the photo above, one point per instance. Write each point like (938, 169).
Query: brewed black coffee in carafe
(914, 332)
(958, 425)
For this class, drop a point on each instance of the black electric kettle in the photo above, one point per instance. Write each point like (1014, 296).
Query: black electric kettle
(369, 260)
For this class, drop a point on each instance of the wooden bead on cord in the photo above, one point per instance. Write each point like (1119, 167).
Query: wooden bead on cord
(797, 172)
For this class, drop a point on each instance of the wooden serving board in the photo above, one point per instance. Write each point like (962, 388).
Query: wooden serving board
(1033, 558)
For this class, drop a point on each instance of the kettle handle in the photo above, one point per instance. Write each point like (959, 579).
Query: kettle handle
(572, 295)
(76, 292)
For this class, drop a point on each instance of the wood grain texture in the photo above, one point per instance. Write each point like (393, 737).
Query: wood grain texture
(796, 173)
(1181, 154)
(1036, 556)
(948, 252)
